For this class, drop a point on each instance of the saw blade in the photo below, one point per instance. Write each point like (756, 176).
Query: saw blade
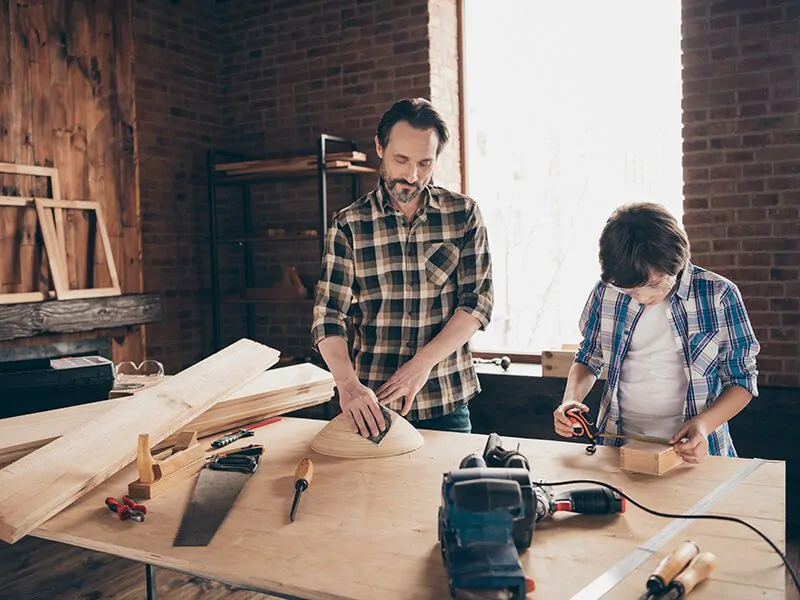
(213, 495)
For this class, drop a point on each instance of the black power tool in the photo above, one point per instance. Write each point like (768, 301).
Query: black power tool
(490, 508)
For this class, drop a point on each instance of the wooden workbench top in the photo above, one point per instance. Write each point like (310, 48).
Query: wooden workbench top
(368, 528)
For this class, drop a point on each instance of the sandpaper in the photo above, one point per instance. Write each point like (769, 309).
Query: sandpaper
(376, 439)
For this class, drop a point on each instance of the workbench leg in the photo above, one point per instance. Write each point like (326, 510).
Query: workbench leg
(150, 575)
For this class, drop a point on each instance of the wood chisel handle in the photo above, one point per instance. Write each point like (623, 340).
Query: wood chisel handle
(698, 570)
(304, 472)
(670, 566)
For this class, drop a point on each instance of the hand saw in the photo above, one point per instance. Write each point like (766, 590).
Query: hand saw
(217, 488)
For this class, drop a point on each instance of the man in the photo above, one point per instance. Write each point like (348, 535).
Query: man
(675, 339)
(408, 267)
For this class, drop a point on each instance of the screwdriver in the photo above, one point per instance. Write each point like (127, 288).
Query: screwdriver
(698, 570)
(302, 476)
(668, 568)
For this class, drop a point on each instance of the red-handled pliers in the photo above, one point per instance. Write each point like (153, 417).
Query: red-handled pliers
(127, 509)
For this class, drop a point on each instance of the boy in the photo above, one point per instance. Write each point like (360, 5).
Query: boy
(675, 339)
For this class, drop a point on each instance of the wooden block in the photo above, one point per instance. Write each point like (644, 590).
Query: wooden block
(147, 490)
(648, 458)
(557, 363)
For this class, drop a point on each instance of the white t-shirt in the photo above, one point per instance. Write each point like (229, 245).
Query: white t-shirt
(652, 382)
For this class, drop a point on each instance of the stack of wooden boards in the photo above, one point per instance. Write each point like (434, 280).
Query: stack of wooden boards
(53, 216)
(272, 393)
(334, 162)
(224, 390)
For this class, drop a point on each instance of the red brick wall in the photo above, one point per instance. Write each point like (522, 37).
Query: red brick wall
(742, 162)
(291, 71)
(178, 94)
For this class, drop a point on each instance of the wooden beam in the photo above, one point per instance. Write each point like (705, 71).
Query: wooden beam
(72, 316)
(43, 483)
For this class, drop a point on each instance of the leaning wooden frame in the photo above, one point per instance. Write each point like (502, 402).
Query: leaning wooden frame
(51, 220)
(27, 202)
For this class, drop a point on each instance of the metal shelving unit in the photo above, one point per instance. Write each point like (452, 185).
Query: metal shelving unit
(244, 171)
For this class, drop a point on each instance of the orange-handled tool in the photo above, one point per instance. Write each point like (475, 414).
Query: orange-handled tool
(302, 476)
(698, 570)
(669, 568)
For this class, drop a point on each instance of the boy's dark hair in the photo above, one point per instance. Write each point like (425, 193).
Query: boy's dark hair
(640, 241)
(417, 112)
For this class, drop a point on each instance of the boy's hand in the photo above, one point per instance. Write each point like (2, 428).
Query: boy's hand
(561, 421)
(691, 441)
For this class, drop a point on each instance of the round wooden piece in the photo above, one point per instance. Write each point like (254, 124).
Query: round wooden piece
(338, 439)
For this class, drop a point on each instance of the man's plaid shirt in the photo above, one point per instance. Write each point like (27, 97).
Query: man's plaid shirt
(713, 336)
(397, 286)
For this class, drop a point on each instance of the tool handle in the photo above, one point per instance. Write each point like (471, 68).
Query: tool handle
(581, 425)
(698, 570)
(231, 437)
(595, 501)
(672, 564)
(304, 471)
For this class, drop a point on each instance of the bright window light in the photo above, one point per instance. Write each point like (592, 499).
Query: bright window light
(571, 109)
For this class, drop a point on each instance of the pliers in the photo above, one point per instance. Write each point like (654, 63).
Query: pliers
(127, 509)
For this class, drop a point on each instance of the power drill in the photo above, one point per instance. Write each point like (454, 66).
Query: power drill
(488, 516)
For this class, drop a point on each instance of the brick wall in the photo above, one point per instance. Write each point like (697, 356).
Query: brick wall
(444, 70)
(742, 162)
(291, 71)
(178, 95)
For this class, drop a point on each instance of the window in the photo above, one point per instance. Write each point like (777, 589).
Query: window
(570, 109)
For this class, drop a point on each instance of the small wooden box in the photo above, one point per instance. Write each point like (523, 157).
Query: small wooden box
(648, 458)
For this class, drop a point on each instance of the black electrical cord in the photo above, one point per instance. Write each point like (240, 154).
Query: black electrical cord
(673, 516)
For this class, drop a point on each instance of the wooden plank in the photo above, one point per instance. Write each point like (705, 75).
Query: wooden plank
(43, 483)
(72, 316)
(277, 391)
(354, 530)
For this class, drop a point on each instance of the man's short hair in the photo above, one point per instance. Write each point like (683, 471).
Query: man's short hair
(417, 112)
(641, 241)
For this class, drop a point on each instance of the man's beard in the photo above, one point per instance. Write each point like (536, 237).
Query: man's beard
(401, 195)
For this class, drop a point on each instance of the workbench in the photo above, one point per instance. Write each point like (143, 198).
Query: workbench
(367, 529)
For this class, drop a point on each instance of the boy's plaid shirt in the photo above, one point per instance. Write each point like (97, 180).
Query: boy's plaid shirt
(397, 287)
(713, 337)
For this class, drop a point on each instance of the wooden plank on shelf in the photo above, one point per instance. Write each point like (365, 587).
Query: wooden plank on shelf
(43, 483)
(73, 316)
(280, 163)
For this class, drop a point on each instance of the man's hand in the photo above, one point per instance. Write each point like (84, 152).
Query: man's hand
(360, 403)
(406, 383)
(561, 421)
(691, 441)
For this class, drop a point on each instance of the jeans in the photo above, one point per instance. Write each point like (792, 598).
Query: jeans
(457, 421)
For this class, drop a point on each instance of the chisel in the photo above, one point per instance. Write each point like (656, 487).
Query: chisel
(302, 476)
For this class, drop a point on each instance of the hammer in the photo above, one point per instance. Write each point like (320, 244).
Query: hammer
(503, 361)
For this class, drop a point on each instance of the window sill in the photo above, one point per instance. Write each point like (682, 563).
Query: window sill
(515, 369)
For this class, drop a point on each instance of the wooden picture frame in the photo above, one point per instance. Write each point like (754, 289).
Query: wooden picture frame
(27, 202)
(51, 220)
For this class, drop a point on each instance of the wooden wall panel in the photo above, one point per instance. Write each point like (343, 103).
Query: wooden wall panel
(67, 100)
